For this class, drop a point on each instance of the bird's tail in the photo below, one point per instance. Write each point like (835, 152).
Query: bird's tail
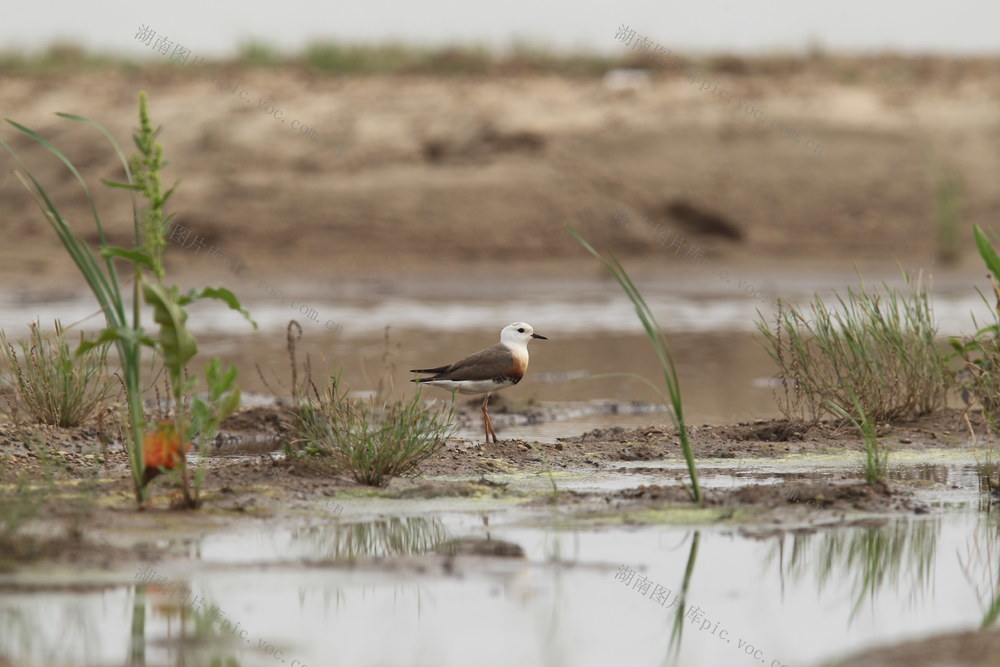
(439, 369)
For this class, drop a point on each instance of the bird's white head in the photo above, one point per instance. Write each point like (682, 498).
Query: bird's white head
(518, 334)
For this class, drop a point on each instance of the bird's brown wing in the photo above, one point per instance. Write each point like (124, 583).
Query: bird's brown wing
(487, 364)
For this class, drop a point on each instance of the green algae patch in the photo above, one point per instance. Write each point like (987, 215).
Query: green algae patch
(951, 454)
(678, 515)
(425, 490)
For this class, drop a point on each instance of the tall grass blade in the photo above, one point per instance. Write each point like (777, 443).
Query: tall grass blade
(659, 341)
(987, 252)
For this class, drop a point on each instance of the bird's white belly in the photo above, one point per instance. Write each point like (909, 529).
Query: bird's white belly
(470, 386)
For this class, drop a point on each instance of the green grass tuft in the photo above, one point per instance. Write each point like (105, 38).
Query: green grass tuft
(369, 439)
(876, 457)
(53, 384)
(978, 380)
(259, 54)
(880, 349)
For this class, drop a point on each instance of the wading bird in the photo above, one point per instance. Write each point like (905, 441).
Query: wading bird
(497, 367)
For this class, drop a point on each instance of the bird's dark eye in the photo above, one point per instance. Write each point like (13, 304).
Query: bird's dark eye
(521, 330)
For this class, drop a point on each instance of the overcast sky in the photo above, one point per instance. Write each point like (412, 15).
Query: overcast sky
(217, 28)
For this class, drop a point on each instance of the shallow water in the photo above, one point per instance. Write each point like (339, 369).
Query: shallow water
(752, 595)
(725, 375)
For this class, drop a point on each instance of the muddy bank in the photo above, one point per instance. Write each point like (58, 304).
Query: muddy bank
(845, 495)
(963, 649)
(259, 430)
(83, 487)
(758, 439)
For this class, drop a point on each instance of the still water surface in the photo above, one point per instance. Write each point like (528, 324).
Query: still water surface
(583, 594)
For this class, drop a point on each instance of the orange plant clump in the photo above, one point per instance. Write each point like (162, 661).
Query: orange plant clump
(162, 447)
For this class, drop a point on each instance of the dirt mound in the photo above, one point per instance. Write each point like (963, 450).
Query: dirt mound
(963, 649)
(816, 495)
(768, 438)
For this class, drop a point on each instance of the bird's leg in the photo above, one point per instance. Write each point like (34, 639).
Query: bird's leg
(490, 419)
(485, 417)
(487, 422)
(492, 430)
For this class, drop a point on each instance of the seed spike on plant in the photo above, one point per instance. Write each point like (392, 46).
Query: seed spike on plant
(174, 344)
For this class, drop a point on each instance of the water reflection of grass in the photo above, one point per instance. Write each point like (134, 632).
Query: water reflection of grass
(981, 566)
(992, 612)
(194, 634)
(37, 635)
(894, 554)
(677, 630)
(398, 536)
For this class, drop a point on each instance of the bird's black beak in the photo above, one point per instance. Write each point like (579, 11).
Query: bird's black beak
(538, 336)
